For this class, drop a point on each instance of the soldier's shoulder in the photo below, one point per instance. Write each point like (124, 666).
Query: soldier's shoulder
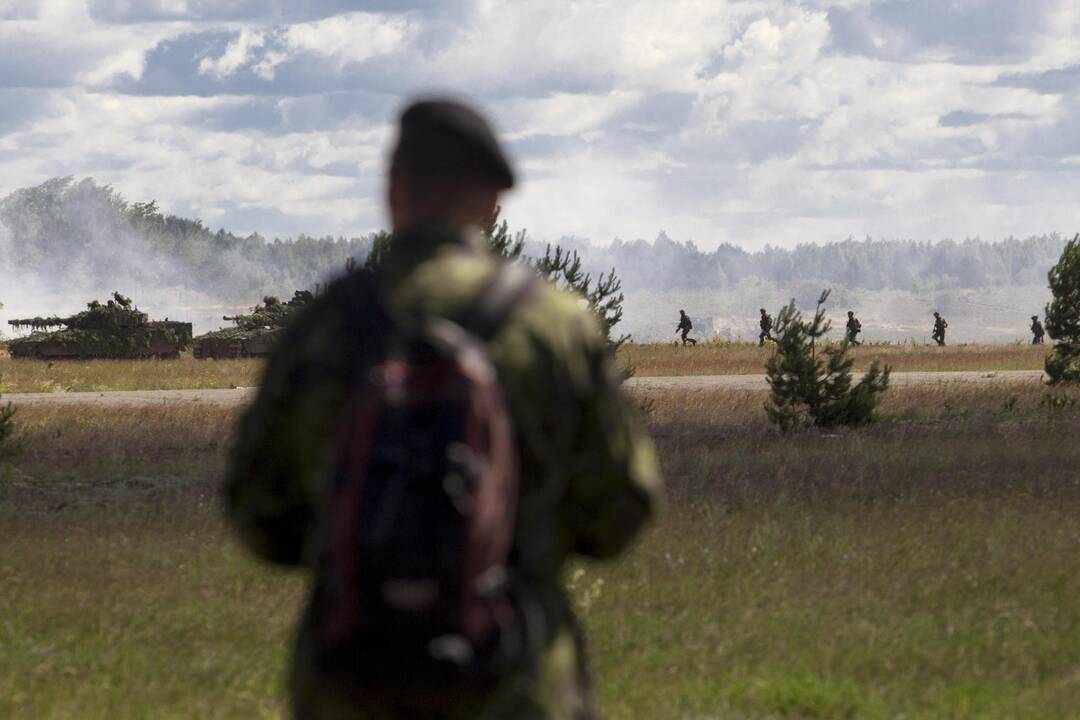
(341, 309)
(562, 317)
(337, 298)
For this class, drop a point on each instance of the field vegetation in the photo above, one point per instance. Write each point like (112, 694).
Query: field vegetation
(714, 358)
(184, 373)
(741, 358)
(925, 566)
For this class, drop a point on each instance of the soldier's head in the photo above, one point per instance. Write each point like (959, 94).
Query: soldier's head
(936, 314)
(851, 313)
(682, 312)
(762, 311)
(1034, 317)
(447, 167)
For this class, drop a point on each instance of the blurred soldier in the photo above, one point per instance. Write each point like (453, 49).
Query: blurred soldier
(766, 328)
(854, 327)
(1037, 331)
(684, 327)
(587, 477)
(938, 333)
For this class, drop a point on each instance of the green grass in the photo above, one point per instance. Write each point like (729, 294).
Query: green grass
(926, 567)
(949, 609)
(150, 616)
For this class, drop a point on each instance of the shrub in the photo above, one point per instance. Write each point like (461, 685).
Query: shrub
(812, 388)
(1063, 317)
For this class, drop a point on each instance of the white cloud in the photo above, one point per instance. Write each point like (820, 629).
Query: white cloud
(353, 37)
(747, 121)
(343, 39)
(237, 54)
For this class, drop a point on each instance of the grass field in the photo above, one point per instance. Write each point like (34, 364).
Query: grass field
(716, 358)
(925, 567)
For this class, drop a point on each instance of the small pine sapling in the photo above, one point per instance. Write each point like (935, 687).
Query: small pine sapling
(812, 388)
(1063, 317)
(604, 295)
(503, 242)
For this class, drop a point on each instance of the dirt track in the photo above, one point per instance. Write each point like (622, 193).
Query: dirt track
(693, 382)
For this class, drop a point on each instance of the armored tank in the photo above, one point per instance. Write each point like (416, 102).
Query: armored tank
(116, 329)
(253, 334)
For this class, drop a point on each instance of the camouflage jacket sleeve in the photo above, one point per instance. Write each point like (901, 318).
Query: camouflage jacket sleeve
(613, 479)
(271, 494)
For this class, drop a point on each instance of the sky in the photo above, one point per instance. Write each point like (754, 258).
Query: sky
(752, 122)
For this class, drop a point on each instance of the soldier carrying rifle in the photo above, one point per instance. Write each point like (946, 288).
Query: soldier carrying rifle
(854, 327)
(1037, 331)
(766, 328)
(684, 327)
(938, 333)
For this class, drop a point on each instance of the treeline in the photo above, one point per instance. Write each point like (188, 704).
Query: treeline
(85, 235)
(868, 264)
(79, 235)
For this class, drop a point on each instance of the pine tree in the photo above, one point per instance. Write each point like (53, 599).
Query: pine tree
(604, 296)
(1063, 317)
(563, 268)
(812, 388)
(503, 242)
(380, 243)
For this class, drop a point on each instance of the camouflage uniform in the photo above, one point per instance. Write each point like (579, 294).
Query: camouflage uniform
(854, 327)
(574, 428)
(939, 329)
(1037, 331)
(766, 328)
(684, 327)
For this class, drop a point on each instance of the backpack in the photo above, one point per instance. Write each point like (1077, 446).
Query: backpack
(415, 595)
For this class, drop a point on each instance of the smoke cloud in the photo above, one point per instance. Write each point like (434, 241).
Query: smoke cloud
(64, 243)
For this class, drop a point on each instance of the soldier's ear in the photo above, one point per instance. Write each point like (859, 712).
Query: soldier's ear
(491, 204)
(395, 202)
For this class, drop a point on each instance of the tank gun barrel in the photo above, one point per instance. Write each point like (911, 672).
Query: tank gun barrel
(39, 323)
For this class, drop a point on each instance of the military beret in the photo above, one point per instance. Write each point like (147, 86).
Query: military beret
(448, 130)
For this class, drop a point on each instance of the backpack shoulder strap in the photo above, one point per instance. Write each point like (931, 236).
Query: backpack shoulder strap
(509, 285)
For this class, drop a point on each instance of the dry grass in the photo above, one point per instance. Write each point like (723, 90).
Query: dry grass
(184, 373)
(928, 566)
(647, 360)
(734, 358)
(952, 440)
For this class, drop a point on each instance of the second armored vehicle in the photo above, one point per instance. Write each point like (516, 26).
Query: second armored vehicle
(252, 335)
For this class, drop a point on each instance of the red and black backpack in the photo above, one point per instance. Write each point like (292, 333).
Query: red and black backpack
(415, 592)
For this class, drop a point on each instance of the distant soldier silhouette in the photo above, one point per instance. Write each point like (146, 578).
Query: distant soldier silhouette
(854, 327)
(684, 327)
(1037, 331)
(766, 328)
(939, 329)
